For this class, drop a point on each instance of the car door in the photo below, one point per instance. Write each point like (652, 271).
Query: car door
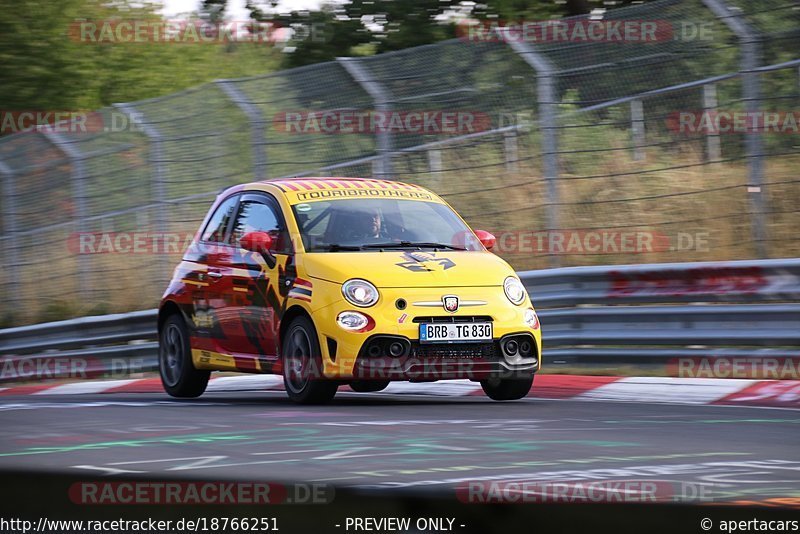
(212, 257)
(258, 282)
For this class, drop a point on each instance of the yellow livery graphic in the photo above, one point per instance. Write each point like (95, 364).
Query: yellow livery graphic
(335, 282)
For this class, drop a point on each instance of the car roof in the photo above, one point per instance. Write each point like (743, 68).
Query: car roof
(311, 183)
(298, 189)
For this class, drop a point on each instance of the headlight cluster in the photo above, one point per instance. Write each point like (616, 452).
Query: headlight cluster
(515, 291)
(360, 293)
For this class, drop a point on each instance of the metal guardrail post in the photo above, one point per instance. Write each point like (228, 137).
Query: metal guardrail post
(548, 123)
(78, 179)
(157, 184)
(11, 252)
(751, 94)
(380, 96)
(253, 114)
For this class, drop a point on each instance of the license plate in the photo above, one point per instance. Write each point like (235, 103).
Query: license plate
(451, 332)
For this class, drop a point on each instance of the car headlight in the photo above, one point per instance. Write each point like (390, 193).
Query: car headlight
(360, 293)
(515, 291)
(531, 319)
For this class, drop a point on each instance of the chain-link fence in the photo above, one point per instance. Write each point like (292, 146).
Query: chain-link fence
(624, 138)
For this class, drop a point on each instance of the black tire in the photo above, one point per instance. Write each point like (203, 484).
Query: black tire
(178, 374)
(368, 386)
(302, 365)
(504, 389)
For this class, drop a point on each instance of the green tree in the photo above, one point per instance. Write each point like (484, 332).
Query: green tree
(46, 64)
(377, 26)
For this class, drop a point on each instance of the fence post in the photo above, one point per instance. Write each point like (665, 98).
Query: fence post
(435, 165)
(11, 252)
(380, 96)
(253, 114)
(713, 146)
(157, 183)
(78, 179)
(751, 94)
(548, 123)
(511, 150)
(637, 129)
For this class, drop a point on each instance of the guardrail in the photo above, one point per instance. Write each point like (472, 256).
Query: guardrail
(609, 316)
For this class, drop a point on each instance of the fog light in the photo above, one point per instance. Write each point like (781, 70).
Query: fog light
(525, 348)
(531, 319)
(354, 321)
(374, 350)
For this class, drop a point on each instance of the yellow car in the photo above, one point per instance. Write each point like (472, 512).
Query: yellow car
(332, 281)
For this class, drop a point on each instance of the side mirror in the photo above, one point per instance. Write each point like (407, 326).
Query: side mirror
(486, 239)
(256, 241)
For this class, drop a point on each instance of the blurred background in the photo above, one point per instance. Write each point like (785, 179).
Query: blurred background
(595, 141)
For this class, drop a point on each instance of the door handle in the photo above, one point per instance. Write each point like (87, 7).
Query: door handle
(214, 274)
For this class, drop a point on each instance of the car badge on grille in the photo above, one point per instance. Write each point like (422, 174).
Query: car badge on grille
(450, 303)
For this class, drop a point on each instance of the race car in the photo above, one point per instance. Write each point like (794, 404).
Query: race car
(344, 281)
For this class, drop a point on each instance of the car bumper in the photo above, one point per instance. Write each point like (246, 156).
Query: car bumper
(345, 355)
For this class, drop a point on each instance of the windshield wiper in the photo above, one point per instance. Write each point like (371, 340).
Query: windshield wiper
(412, 244)
(336, 247)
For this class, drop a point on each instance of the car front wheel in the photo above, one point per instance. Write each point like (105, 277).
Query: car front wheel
(302, 365)
(503, 389)
(178, 374)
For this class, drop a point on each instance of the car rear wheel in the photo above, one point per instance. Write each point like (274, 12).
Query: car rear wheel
(368, 386)
(502, 389)
(302, 365)
(178, 374)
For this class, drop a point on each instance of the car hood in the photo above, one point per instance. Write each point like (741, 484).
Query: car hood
(410, 268)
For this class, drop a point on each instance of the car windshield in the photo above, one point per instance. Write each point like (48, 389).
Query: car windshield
(373, 224)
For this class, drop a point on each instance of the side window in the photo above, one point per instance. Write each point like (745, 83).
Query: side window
(313, 221)
(256, 216)
(218, 224)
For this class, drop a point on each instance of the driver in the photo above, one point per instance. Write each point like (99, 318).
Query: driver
(367, 225)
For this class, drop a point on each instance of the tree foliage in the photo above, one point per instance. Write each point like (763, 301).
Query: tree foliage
(377, 26)
(44, 65)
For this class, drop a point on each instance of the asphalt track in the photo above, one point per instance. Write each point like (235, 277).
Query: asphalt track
(367, 441)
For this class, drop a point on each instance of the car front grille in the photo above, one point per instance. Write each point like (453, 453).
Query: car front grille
(453, 319)
(462, 351)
